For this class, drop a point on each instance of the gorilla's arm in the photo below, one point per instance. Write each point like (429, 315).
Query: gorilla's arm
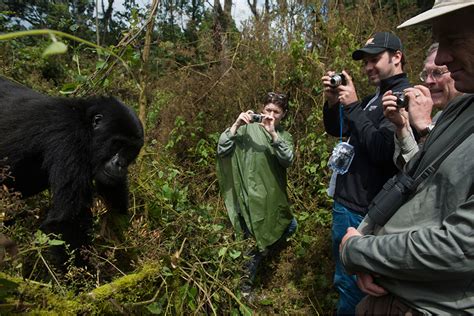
(115, 196)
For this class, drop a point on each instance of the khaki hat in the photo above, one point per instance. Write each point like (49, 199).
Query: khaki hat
(440, 7)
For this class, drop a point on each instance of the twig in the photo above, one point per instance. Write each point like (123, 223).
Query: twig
(108, 261)
(222, 76)
(52, 273)
(150, 300)
(314, 307)
(206, 294)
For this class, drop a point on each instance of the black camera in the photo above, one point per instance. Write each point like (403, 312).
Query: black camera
(257, 118)
(337, 79)
(402, 99)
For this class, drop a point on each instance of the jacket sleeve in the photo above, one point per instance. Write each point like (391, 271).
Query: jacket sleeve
(284, 150)
(405, 149)
(226, 143)
(427, 253)
(377, 140)
(331, 119)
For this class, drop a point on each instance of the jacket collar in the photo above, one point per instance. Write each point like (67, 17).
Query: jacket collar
(389, 83)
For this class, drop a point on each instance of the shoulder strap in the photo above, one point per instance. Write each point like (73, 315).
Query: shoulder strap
(445, 135)
(422, 175)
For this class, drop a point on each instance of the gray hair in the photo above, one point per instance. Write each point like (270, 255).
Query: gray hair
(433, 48)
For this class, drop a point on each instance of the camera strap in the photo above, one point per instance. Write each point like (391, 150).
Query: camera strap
(440, 143)
(435, 164)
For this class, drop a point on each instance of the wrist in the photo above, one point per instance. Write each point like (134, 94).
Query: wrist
(234, 127)
(274, 137)
(402, 127)
(425, 131)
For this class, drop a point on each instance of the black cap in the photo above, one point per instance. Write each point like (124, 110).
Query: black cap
(380, 42)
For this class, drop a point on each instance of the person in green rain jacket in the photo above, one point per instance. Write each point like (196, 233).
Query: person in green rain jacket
(253, 155)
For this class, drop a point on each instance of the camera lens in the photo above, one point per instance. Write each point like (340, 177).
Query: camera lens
(257, 118)
(402, 99)
(337, 80)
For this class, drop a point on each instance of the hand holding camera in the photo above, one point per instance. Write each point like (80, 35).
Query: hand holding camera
(337, 79)
(257, 118)
(402, 99)
(394, 109)
(246, 118)
(419, 107)
(339, 88)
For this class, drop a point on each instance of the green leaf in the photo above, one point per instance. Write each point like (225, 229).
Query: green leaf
(100, 64)
(55, 242)
(69, 88)
(166, 271)
(192, 292)
(41, 238)
(55, 48)
(266, 302)
(245, 310)
(74, 27)
(222, 251)
(216, 227)
(234, 254)
(155, 308)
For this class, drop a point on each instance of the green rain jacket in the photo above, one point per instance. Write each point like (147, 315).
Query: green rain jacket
(252, 177)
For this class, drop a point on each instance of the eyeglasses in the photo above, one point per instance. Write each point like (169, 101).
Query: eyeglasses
(436, 74)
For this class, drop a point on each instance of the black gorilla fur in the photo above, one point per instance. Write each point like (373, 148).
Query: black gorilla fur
(72, 146)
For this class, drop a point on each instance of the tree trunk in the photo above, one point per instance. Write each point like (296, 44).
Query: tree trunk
(142, 101)
(106, 19)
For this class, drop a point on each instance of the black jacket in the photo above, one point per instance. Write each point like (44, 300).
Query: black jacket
(371, 134)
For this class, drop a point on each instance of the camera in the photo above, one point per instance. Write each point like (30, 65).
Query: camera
(402, 99)
(257, 118)
(337, 79)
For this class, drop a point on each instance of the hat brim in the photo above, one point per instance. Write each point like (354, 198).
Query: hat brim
(360, 53)
(433, 13)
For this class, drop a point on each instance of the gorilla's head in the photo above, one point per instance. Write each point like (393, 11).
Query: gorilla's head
(117, 137)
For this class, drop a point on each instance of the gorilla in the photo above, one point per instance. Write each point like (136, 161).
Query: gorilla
(75, 147)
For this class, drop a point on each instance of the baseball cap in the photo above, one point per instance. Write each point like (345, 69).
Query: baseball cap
(440, 7)
(380, 42)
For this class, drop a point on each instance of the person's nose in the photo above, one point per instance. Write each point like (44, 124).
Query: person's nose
(430, 80)
(443, 56)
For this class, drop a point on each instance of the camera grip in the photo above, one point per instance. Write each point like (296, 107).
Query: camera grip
(394, 194)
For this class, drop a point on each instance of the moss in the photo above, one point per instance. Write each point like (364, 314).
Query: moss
(128, 282)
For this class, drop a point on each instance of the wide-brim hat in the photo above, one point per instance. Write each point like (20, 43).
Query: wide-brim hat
(381, 41)
(440, 7)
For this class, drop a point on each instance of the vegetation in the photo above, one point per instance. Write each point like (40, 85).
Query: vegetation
(188, 70)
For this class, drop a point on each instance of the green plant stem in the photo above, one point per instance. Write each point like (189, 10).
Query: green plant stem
(13, 35)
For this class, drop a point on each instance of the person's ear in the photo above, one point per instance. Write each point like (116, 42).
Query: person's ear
(397, 57)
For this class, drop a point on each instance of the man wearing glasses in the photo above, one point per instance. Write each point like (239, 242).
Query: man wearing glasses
(253, 155)
(437, 90)
(421, 260)
(371, 136)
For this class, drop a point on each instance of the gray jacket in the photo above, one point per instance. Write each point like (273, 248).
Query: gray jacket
(425, 253)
